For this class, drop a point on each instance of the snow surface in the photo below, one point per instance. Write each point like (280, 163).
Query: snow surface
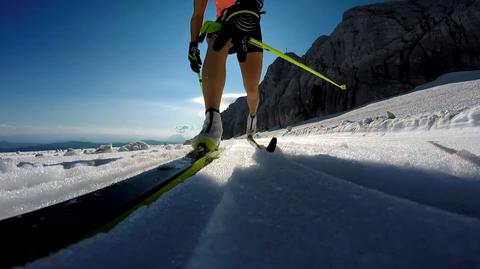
(28, 182)
(337, 193)
(416, 110)
(451, 78)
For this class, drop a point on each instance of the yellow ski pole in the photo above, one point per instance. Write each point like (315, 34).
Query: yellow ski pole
(293, 61)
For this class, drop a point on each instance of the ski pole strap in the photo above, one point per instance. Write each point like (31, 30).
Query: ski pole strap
(214, 27)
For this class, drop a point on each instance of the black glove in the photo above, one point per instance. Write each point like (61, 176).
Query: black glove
(194, 57)
(239, 23)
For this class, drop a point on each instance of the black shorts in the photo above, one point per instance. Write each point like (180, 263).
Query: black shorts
(250, 48)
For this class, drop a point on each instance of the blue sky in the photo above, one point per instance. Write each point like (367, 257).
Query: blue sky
(117, 70)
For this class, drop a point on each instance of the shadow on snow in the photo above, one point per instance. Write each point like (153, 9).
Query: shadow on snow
(304, 212)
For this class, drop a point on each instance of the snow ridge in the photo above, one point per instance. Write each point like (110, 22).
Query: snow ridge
(468, 117)
(443, 107)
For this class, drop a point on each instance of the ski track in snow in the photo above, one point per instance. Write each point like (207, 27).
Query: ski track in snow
(165, 233)
(268, 220)
(333, 195)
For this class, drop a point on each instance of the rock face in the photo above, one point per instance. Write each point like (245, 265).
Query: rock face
(234, 118)
(379, 50)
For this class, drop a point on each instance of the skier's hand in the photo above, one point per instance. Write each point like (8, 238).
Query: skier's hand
(194, 57)
(239, 23)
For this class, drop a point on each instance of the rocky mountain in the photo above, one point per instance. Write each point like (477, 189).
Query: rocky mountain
(379, 50)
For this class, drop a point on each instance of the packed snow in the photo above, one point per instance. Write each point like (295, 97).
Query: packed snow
(360, 190)
(32, 180)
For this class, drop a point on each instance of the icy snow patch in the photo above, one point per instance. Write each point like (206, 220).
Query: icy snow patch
(70, 152)
(139, 145)
(105, 149)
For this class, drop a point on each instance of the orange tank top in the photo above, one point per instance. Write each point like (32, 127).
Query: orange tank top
(223, 4)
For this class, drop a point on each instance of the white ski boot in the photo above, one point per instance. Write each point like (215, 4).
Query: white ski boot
(251, 125)
(209, 138)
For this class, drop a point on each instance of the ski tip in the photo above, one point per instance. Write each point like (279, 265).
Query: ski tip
(272, 145)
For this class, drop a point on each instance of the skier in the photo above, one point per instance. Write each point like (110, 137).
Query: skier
(240, 21)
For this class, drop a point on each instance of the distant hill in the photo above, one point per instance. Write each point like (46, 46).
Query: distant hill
(8, 145)
(13, 147)
(54, 146)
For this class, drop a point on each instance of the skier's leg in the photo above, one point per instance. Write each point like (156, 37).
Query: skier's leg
(251, 72)
(213, 75)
